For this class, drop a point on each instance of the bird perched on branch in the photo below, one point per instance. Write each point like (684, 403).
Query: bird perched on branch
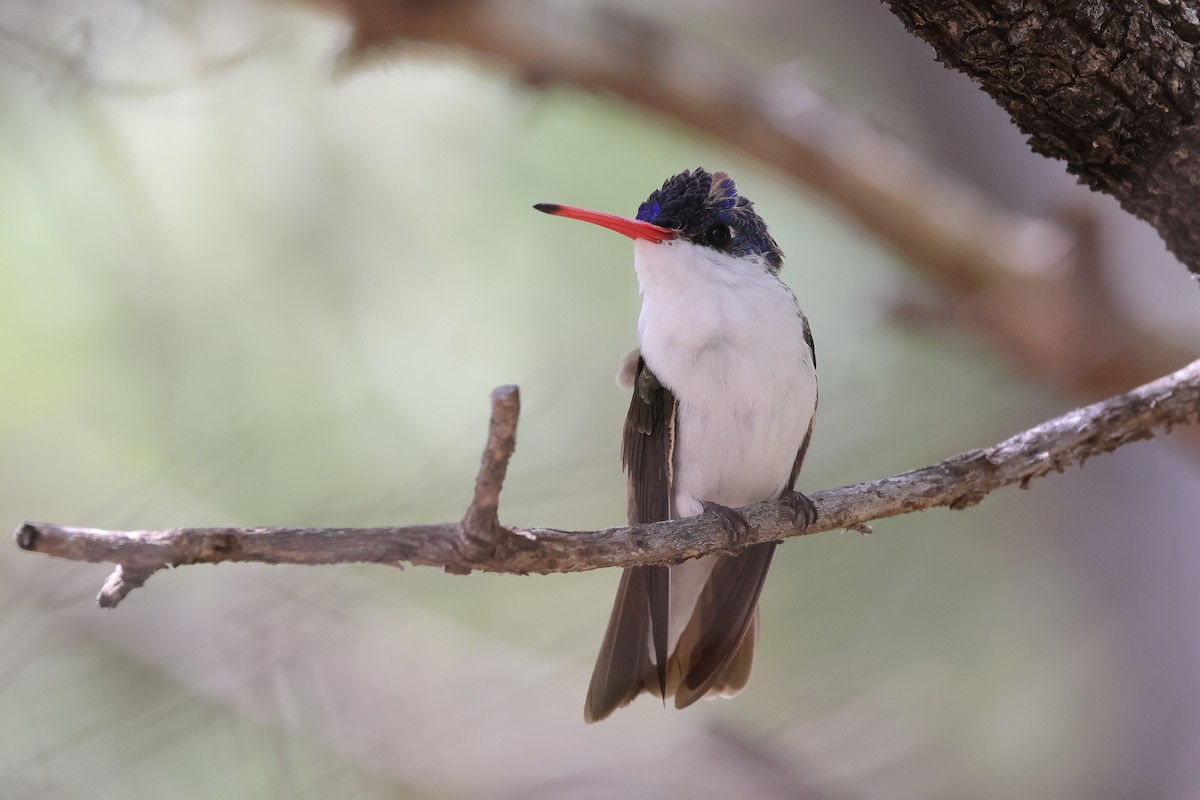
(724, 397)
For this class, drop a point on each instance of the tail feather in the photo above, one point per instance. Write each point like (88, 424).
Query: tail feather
(620, 671)
(711, 638)
(737, 674)
(710, 646)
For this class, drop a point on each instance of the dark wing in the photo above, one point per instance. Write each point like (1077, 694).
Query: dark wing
(812, 348)
(803, 451)
(800, 454)
(647, 447)
(647, 451)
(623, 667)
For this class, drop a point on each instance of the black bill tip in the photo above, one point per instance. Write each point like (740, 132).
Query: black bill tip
(547, 208)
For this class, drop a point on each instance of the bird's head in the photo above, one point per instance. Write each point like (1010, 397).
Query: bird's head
(697, 207)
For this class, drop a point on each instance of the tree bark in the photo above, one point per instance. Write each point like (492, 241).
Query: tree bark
(1112, 89)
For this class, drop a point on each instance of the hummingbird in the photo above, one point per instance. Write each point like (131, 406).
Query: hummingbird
(724, 397)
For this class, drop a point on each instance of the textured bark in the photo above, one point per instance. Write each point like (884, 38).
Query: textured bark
(1113, 89)
(479, 542)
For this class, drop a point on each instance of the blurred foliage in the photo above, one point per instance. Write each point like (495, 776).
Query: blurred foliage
(245, 293)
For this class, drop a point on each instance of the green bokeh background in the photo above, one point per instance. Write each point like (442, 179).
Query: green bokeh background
(247, 293)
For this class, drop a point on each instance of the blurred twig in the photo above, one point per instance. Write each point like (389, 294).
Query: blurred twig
(71, 67)
(934, 221)
(479, 542)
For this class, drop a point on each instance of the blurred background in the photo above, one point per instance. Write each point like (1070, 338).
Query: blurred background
(241, 285)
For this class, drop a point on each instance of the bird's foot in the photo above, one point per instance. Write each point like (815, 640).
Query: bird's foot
(804, 511)
(737, 528)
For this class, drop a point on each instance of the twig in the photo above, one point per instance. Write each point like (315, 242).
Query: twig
(120, 583)
(956, 483)
(481, 534)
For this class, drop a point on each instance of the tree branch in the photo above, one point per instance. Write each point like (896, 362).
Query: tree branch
(480, 532)
(479, 542)
(1113, 89)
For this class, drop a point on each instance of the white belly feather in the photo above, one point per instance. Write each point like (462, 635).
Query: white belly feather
(727, 338)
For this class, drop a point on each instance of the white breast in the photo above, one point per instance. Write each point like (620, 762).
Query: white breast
(727, 337)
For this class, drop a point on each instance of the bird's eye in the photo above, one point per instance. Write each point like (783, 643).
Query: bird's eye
(718, 235)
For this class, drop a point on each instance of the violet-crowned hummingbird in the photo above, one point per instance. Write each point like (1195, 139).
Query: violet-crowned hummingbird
(724, 396)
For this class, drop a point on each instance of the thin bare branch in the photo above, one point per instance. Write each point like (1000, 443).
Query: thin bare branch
(480, 530)
(956, 483)
(120, 583)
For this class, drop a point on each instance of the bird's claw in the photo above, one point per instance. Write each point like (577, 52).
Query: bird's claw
(804, 511)
(737, 528)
